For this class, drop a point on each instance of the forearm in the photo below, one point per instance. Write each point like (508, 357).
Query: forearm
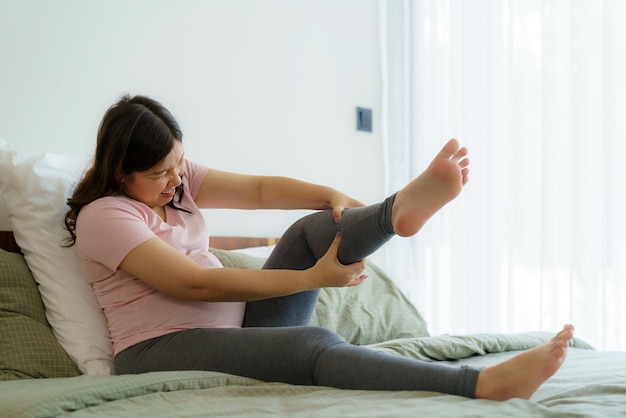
(242, 285)
(221, 189)
(173, 273)
(287, 193)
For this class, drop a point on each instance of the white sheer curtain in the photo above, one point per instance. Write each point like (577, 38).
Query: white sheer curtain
(536, 90)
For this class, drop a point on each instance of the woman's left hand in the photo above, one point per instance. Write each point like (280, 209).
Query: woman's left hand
(340, 202)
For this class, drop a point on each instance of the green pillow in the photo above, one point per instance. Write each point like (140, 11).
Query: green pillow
(28, 348)
(373, 312)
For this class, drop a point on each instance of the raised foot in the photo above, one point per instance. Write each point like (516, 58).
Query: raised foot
(441, 182)
(521, 376)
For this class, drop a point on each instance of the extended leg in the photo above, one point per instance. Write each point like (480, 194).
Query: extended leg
(317, 356)
(294, 355)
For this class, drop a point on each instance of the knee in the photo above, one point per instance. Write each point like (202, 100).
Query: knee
(316, 337)
(316, 221)
(321, 338)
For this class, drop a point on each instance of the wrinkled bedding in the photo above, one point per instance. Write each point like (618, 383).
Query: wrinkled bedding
(589, 384)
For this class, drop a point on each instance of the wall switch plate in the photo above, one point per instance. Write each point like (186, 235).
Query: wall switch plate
(363, 119)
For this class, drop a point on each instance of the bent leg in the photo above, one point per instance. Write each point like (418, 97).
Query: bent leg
(363, 231)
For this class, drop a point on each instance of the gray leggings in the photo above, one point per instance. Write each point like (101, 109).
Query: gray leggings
(276, 344)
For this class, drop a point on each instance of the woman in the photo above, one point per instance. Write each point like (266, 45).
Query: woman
(135, 219)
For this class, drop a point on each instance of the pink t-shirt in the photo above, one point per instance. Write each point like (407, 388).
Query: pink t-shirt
(110, 227)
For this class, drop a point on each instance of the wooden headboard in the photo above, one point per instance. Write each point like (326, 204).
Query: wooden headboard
(7, 242)
(233, 243)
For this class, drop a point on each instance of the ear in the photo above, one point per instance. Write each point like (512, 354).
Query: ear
(121, 177)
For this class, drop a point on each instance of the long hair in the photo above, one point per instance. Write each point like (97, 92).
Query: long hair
(134, 135)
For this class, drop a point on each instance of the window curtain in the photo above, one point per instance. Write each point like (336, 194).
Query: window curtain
(536, 90)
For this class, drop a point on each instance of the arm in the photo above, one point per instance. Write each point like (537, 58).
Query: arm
(173, 273)
(221, 189)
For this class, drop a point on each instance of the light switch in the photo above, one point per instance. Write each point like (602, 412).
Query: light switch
(363, 119)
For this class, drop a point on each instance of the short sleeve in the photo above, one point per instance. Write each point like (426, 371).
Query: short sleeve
(194, 176)
(110, 228)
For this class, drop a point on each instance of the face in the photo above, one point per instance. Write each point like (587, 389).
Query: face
(156, 187)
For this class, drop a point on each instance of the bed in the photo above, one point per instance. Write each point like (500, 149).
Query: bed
(55, 351)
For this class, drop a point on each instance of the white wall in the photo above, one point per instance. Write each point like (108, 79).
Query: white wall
(258, 86)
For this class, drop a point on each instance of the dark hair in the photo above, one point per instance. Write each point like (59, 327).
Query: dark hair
(134, 135)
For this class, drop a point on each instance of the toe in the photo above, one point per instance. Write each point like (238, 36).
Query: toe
(450, 149)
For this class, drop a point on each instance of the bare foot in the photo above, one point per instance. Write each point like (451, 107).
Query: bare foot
(521, 376)
(441, 182)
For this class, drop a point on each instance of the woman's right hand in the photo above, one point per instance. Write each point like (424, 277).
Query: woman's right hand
(329, 272)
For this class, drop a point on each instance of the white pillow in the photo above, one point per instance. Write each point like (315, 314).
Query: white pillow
(35, 187)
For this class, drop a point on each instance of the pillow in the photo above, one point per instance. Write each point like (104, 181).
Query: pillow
(35, 188)
(28, 348)
(373, 312)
